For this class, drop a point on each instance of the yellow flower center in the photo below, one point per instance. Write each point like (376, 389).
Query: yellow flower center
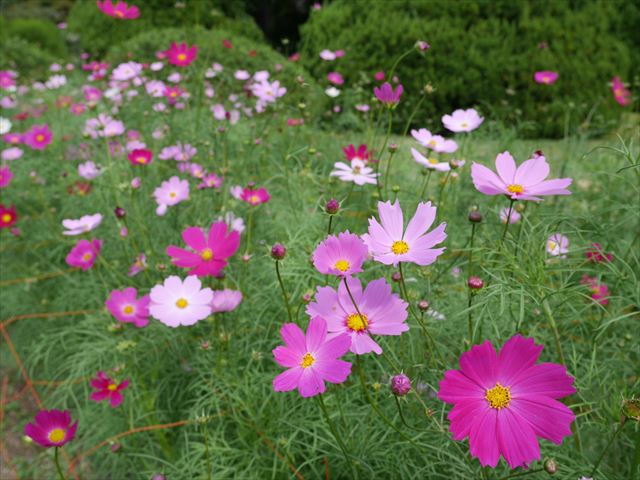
(182, 303)
(39, 138)
(128, 309)
(206, 254)
(433, 161)
(432, 143)
(498, 396)
(357, 322)
(6, 218)
(112, 387)
(87, 257)
(254, 199)
(399, 247)
(515, 188)
(342, 265)
(141, 160)
(552, 245)
(307, 360)
(119, 14)
(464, 125)
(172, 195)
(182, 57)
(56, 435)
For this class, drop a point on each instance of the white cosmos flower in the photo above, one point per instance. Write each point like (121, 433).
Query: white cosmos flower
(357, 172)
(333, 92)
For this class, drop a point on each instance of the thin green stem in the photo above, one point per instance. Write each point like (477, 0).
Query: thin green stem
(554, 328)
(249, 225)
(336, 435)
(206, 450)
(425, 184)
(57, 462)
(284, 292)
(404, 421)
(601, 457)
(386, 174)
(444, 184)
(330, 222)
(506, 224)
(384, 145)
(522, 474)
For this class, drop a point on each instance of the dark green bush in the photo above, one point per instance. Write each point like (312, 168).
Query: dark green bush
(98, 32)
(41, 33)
(28, 59)
(483, 54)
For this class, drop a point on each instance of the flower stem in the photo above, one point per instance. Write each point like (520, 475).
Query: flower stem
(384, 145)
(351, 297)
(386, 175)
(336, 435)
(249, 225)
(404, 421)
(506, 225)
(556, 334)
(57, 462)
(613, 437)
(330, 222)
(284, 292)
(425, 184)
(469, 318)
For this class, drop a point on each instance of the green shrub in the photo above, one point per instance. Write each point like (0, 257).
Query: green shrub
(28, 59)
(483, 54)
(98, 32)
(41, 33)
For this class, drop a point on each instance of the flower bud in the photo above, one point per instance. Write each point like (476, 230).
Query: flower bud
(475, 283)
(120, 212)
(393, 148)
(550, 466)
(396, 277)
(400, 385)
(136, 182)
(422, 46)
(631, 410)
(423, 305)
(475, 216)
(395, 188)
(278, 251)
(332, 206)
(312, 151)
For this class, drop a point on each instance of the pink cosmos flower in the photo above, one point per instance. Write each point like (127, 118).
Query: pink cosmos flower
(91, 94)
(7, 79)
(52, 428)
(84, 224)
(430, 163)
(335, 78)
(120, 10)
(177, 303)
(597, 255)
(38, 137)
(436, 143)
(13, 138)
(378, 76)
(504, 401)
(387, 95)
(513, 218)
(84, 254)
(599, 291)
(125, 72)
(390, 245)
(181, 55)
(89, 170)
(341, 255)
(357, 172)
(138, 265)
(5, 177)
(126, 307)
(210, 253)
(107, 389)
(621, 94)
(173, 93)
(210, 180)
(361, 153)
(462, 120)
(557, 245)
(310, 359)
(11, 153)
(171, 192)
(327, 55)
(527, 182)
(268, 92)
(140, 156)
(546, 77)
(225, 300)
(255, 196)
(381, 313)
(8, 216)
(77, 108)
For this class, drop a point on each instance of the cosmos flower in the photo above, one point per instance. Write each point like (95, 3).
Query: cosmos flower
(361, 153)
(5, 177)
(268, 92)
(120, 10)
(52, 428)
(177, 303)
(462, 120)
(310, 359)
(255, 196)
(327, 55)
(89, 170)
(170, 193)
(209, 254)
(379, 312)
(621, 94)
(126, 71)
(84, 254)
(599, 291)
(8, 216)
(210, 180)
(335, 78)
(504, 401)
(181, 55)
(103, 126)
(436, 143)
(7, 79)
(11, 153)
(140, 156)
(234, 223)
(107, 389)
(357, 172)
(387, 95)
(390, 245)
(596, 255)
(546, 77)
(332, 92)
(225, 300)
(513, 218)
(341, 255)
(10, 138)
(557, 245)
(126, 307)
(430, 163)
(527, 182)
(38, 137)
(84, 224)
(138, 265)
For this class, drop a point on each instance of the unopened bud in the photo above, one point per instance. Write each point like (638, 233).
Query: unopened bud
(278, 251)
(395, 188)
(423, 305)
(475, 216)
(550, 466)
(396, 277)
(400, 385)
(120, 212)
(392, 148)
(475, 283)
(332, 207)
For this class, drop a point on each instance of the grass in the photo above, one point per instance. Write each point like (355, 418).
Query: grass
(211, 412)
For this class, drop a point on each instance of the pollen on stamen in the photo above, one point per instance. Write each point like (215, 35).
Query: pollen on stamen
(128, 309)
(342, 265)
(206, 254)
(515, 188)
(400, 247)
(307, 360)
(56, 435)
(498, 396)
(182, 303)
(357, 322)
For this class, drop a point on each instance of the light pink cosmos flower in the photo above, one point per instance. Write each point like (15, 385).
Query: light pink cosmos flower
(357, 172)
(5, 177)
(126, 71)
(82, 225)
(38, 137)
(380, 313)
(268, 92)
(341, 255)
(120, 10)
(514, 217)
(436, 143)
(210, 253)
(107, 389)
(504, 401)
(557, 245)
(103, 126)
(327, 55)
(621, 94)
(83, 255)
(181, 55)
(11, 153)
(527, 182)
(225, 300)
(177, 303)
(462, 120)
(430, 163)
(390, 245)
(126, 307)
(335, 78)
(170, 192)
(310, 359)
(546, 77)
(235, 223)
(89, 170)
(386, 94)
(210, 180)
(599, 291)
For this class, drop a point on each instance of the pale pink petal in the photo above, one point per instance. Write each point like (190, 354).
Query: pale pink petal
(506, 167)
(532, 172)
(391, 219)
(286, 357)
(310, 383)
(316, 333)
(421, 221)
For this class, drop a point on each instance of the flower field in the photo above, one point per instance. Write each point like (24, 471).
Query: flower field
(206, 272)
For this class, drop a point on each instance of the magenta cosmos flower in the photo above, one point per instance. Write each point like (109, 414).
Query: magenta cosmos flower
(341, 255)
(527, 182)
(381, 313)
(597, 255)
(5, 177)
(210, 253)
(140, 156)
(621, 94)
(84, 254)
(181, 55)
(390, 245)
(387, 95)
(335, 78)
(361, 153)
(177, 303)
(599, 291)
(546, 77)
(225, 300)
(462, 120)
(255, 196)
(38, 137)
(107, 389)
(126, 307)
(52, 428)
(120, 10)
(311, 359)
(504, 401)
